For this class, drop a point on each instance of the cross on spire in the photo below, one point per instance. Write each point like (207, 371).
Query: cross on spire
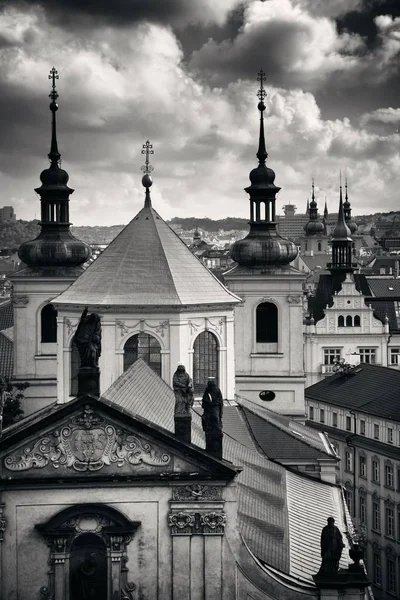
(261, 78)
(53, 76)
(147, 150)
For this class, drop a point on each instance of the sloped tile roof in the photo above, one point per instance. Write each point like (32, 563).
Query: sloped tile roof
(147, 264)
(309, 497)
(372, 389)
(6, 315)
(262, 490)
(382, 308)
(386, 287)
(6, 356)
(280, 437)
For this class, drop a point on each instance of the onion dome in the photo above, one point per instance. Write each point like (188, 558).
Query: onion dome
(55, 246)
(347, 213)
(314, 225)
(263, 246)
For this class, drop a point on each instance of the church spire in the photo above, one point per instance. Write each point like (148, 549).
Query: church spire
(262, 153)
(347, 212)
(54, 154)
(341, 241)
(325, 210)
(147, 168)
(55, 245)
(263, 246)
(314, 225)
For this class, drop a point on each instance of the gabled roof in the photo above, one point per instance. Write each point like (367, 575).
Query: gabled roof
(329, 285)
(373, 390)
(147, 264)
(383, 308)
(282, 438)
(318, 261)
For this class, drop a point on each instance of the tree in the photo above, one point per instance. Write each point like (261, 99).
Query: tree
(11, 395)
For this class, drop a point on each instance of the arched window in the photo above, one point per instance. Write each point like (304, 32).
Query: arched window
(341, 321)
(349, 321)
(306, 246)
(146, 347)
(48, 318)
(75, 362)
(267, 323)
(319, 246)
(357, 321)
(205, 360)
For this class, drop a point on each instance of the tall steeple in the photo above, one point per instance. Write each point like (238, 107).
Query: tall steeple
(347, 212)
(263, 246)
(325, 210)
(314, 225)
(55, 245)
(341, 242)
(147, 168)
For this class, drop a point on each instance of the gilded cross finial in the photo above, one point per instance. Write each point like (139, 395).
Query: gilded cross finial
(261, 78)
(147, 150)
(53, 76)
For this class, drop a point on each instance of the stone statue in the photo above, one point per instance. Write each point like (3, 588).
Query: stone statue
(331, 548)
(88, 339)
(212, 406)
(183, 389)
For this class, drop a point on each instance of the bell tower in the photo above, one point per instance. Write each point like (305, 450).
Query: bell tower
(269, 322)
(50, 263)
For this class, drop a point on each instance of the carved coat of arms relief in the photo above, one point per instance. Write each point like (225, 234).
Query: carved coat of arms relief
(87, 443)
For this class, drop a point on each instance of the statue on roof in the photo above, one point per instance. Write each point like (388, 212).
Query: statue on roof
(331, 548)
(183, 390)
(213, 407)
(88, 339)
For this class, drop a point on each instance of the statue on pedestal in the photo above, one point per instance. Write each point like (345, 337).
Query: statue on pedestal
(88, 339)
(331, 548)
(183, 390)
(212, 404)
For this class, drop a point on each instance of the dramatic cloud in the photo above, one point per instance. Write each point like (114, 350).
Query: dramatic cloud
(123, 83)
(178, 13)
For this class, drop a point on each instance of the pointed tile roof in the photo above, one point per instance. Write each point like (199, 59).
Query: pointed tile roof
(147, 264)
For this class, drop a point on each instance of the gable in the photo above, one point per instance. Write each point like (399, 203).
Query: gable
(94, 441)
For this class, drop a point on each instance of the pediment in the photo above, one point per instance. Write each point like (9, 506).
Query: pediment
(94, 439)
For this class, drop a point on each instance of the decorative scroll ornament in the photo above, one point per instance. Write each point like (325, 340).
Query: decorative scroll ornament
(184, 523)
(87, 443)
(294, 299)
(70, 326)
(193, 327)
(181, 523)
(213, 522)
(218, 326)
(196, 493)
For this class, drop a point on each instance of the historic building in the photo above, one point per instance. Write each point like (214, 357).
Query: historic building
(269, 321)
(50, 263)
(360, 412)
(340, 320)
(96, 488)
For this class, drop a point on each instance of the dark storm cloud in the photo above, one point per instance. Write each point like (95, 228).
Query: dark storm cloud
(123, 12)
(362, 21)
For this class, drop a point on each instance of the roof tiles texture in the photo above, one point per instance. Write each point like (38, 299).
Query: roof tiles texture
(372, 389)
(262, 491)
(147, 264)
(6, 356)
(6, 315)
(386, 287)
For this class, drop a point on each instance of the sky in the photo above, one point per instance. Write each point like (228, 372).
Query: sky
(183, 74)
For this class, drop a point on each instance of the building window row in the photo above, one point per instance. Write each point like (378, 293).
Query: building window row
(358, 426)
(349, 321)
(377, 570)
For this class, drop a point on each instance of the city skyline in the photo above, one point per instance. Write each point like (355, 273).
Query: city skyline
(184, 75)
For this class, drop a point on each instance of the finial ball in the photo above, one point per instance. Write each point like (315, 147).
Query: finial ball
(261, 106)
(53, 106)
(147, 181)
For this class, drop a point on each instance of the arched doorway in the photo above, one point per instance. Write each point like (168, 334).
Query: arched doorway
(146, 347)
(205, 361)
(88, 568)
